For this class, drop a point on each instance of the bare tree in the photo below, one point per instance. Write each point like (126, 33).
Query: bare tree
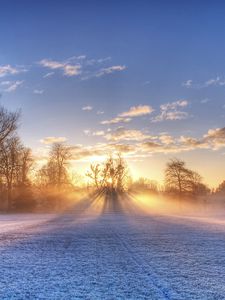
(10, 164)
(111, 176)
(95, 174)
(53, 179)
(59, 159)
(221, 188)
(55, 172)
(8, 123)
(179, 179)
(26, 162)
(176, 176)
(23, 197)
(121, 173)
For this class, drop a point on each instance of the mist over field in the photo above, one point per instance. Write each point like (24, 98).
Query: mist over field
(140, 247)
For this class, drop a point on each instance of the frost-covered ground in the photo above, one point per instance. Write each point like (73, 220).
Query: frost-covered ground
(112, 254)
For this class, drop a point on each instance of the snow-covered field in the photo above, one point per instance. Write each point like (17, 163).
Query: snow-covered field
(112, 254)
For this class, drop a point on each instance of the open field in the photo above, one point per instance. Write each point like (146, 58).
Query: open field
(111, 253)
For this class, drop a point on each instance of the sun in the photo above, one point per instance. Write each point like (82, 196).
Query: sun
(97, 158)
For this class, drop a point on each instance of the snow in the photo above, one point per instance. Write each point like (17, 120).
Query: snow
(111, 254)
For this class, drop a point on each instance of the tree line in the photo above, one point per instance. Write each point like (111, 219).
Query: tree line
(24, 185)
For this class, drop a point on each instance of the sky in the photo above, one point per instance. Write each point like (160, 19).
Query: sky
(146, 78)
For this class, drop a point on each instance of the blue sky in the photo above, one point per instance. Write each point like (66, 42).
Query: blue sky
(156, 66)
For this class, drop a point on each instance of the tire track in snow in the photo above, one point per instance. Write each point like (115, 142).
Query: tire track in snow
(148, 271)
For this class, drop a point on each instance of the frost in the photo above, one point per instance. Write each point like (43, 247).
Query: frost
(111, 256)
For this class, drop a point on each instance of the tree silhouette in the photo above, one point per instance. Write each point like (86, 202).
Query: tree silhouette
(15, 165)
(8, 123)
(110, 176)
(181, 180)
(53, 180)
(55, 173)
(221, 188)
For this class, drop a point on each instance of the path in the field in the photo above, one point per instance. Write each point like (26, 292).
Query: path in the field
(116, 254)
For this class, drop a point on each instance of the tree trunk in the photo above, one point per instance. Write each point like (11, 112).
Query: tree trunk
(9, 197)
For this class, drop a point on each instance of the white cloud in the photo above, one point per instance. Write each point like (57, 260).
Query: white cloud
(172, 116)
(122, 134)
(101, 60)
(11, 86)
(136, 111)
(49, 74)
(204, 101)
(192, 143)
(52, 140)
(79, 57)
(80, 66)
(174, 105)
(116, 120)
(135, 144)
(98, 133)
(38, 92)
(68, 69)
(52, 64)
(6, 82)
(125, 117)
(170, 111)
(188, 83)
(92, 61)
(110, 70)
(166, 139)
(87, 108)
(214, 81)
(215, 137)
(217, 81)
(9, 70)
(87, 131)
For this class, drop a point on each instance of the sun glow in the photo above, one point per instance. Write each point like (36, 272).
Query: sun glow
(97, 158)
